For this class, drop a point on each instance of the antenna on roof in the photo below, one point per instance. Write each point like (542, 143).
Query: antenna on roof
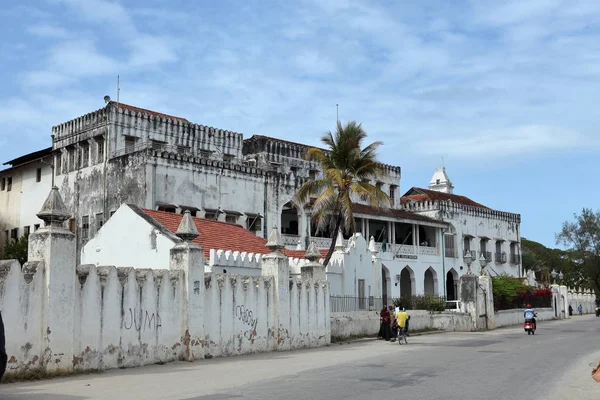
(337, 114)
(443, 165)
(118, 89)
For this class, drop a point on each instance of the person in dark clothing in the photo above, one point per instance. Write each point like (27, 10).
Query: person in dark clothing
(3, 357)
(385, 325)
(380, 334)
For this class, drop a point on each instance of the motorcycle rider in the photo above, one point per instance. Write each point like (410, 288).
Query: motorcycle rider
(529, 314)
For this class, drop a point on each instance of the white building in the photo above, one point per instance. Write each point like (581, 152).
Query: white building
(24, 186)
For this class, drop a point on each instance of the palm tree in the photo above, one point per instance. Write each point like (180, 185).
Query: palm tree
(347, 170)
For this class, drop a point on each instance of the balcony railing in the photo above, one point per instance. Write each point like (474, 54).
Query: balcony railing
(428, 251)
(486, 254)
(472, 252)
(501, 258)
(349, 304)
(290, 240)
(515, 259)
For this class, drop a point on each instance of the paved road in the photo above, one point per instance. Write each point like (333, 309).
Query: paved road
(503, 364)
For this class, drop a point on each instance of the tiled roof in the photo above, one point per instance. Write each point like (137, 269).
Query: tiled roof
(149, 112)
(419, 194)
(220, 235)
(390, 212)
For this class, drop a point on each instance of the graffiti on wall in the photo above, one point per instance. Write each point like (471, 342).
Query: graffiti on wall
(141, 320)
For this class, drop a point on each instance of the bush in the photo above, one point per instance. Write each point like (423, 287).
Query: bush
(16, 251)
(426, 302)
(510, 293)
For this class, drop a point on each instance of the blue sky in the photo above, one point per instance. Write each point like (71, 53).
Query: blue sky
(505, 91)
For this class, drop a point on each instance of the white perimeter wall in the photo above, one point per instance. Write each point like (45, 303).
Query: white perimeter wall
(516, 317)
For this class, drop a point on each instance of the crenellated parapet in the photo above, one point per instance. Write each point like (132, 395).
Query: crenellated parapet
(448, 207)
(228, 258)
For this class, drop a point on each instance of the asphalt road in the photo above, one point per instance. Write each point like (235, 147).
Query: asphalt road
(503, 364)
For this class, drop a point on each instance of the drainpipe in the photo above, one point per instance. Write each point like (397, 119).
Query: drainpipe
(444, 262)
(265, 233)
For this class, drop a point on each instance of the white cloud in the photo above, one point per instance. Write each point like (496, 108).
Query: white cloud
(48, 31)
(531, 139)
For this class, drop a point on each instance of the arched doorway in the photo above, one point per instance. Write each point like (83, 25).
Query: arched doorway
(452, 285)
(407, 282)
(385, 284)
(430, 282)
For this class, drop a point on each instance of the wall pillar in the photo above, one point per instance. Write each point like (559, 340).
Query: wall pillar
(276, 264)
(313, 270)
(188, 257)
(564, 301)
(55, 247)
(477, 300)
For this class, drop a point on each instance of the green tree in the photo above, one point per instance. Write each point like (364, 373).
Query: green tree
(582, 237)
(347, 169)
(16, 250)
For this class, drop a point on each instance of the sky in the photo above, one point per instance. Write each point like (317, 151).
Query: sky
(503, 93)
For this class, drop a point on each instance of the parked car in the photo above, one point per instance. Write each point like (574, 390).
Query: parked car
(3, 356)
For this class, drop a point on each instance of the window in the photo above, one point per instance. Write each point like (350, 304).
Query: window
(9, 184)
(254, 222)
(129, 143)
(100, 150)
(232, 219)
(2, 183)
(393, 192)
(58, 164)
(36, 227)
(71, 159)
(14, 233)
(437, 181)
(361, 294)
(85, 154)
(183, 149)
(312, 174)
(38, 175)
(379, 185)
(498, 247)
(167, 208)
(449, 246)
(27, 231)
(72, 225)
(85, 227)
(227, 157)
(483, 245)
(467, 243)
(99, 221)
(212, 216)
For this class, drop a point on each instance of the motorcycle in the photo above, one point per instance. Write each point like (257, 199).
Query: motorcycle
(529, 326)
(597, 311)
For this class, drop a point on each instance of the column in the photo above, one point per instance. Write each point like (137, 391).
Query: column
(394, 233)
(367, 233)
(55, 247)
(301, 228)
(389, 233)
(276, 264)
(189, 258)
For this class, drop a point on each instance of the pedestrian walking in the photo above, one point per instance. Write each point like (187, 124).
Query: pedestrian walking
(580, 309)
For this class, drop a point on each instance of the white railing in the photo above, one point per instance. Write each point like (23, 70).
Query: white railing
(322, 242)
(290, 240)
(405, 249)
(428, 251)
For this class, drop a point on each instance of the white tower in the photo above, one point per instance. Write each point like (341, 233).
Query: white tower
(440, 181)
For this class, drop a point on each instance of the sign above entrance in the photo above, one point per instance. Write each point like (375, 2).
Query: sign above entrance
(410, 256)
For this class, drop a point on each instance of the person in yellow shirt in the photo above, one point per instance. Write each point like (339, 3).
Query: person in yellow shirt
(402, 319)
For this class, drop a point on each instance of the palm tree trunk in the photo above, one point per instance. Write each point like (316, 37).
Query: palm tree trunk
(338, 223)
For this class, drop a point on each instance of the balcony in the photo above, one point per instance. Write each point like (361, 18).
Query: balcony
(515, 259)
(501, 258)
(486, 254)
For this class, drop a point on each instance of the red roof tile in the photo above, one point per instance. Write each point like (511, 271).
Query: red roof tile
(419, 194)
(150, 112)
(220, 235)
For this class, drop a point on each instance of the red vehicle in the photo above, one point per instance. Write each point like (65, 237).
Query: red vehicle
(529, 327)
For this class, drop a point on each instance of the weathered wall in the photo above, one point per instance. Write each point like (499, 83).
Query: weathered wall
(126, 317)
(585, 297)
(346, 325)
(516, 317)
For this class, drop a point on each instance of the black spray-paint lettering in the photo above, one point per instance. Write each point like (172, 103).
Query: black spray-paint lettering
(246, 316)
(141, 320)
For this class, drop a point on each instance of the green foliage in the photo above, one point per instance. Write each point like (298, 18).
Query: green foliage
(582, 237)
(348, 167)
(17, 250)
(426, 302)
(511, 292)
